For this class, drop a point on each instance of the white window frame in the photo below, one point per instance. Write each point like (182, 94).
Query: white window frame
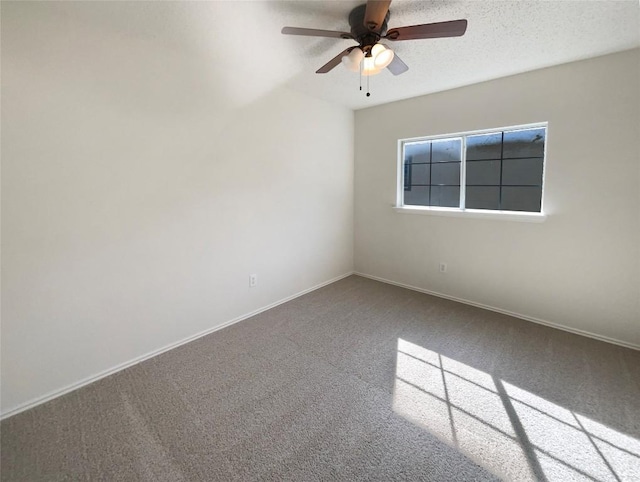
(526, 216)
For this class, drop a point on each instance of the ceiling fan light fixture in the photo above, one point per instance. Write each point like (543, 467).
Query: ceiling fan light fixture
(352, 60)
(376, 49)
(382, 56)
(369, 67)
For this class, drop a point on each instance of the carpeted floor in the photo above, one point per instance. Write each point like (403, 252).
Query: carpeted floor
(356, 381)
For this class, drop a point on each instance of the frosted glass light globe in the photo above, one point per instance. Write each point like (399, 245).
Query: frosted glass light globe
(352, 60)
(369, 67)
(382, 56)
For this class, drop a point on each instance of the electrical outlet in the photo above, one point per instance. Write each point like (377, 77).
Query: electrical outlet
(443, 267)
(253, 280)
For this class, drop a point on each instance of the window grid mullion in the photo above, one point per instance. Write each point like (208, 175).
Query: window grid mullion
(501, 160)
(476, 185)
(463, 173)
(507, 159)
(403, 174)
(430, 164)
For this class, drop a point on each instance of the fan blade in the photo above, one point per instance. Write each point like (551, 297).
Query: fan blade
(313, 32)
(375, 14)
(397, 66)
(334, 61)
(454, 28)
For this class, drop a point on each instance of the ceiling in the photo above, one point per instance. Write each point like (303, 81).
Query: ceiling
(241, 40)
(503, 38)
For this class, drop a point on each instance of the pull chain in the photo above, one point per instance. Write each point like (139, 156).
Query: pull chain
(367, 76)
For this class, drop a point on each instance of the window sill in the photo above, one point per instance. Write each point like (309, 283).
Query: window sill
(473, 213)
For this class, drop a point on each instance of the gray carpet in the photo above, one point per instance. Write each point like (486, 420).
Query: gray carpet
(356, 381)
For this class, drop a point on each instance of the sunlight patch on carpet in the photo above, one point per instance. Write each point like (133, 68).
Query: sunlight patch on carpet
(512, 432)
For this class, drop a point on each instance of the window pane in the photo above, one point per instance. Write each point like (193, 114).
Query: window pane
(484, 146)
(522, 171)
(483, 172)
(446, 150)
(527, 143)
(417, 152)
(482, 198)
(521, 199)
(447, 196)
(418, 196)
(448, 173)
(504, 170)
(419, 173)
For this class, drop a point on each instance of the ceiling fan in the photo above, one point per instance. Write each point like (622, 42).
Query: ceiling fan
(368, 26)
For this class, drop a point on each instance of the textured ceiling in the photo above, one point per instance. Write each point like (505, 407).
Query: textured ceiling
(242, 45)
(502, 38)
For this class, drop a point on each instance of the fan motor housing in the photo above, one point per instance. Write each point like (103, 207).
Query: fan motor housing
(362, 33)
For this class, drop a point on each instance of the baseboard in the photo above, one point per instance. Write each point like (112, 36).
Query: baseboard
(505, 312)
(94, 378)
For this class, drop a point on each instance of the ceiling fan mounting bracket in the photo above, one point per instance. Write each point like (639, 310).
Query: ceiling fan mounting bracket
(393, 35)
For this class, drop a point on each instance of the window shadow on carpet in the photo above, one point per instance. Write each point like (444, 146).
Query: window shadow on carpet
(512, 432)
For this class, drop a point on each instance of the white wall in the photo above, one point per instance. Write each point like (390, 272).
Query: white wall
(141, 187)
(580, 268)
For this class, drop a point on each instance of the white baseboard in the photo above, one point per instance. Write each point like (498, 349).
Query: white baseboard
(505, 312)
(93, 378)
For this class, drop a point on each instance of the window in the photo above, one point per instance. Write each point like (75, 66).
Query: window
(496, 170)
